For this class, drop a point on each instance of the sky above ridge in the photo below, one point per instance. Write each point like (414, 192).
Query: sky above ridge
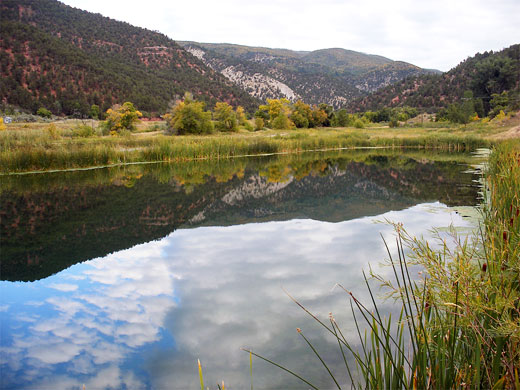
(430, 34)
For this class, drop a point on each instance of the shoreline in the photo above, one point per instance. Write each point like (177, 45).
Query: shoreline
(36, 151)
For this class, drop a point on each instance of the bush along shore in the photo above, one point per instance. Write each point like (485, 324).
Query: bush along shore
(459, 325)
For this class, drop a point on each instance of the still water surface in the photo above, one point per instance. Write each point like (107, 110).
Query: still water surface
(124, 277)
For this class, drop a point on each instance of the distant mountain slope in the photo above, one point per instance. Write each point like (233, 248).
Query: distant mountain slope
(67, 59)
(483, 74)
(345, 60)
(332, 76)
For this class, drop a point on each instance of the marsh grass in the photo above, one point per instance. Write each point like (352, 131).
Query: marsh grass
(79, 145)
(459, 324)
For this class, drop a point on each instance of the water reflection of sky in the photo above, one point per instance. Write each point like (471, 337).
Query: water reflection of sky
(140, 318)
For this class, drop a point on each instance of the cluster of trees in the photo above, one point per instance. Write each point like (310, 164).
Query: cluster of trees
(391, 114)
(188, 116)
(282, 114)
(471, 108)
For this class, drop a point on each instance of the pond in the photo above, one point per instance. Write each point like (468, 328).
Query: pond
(123, 277)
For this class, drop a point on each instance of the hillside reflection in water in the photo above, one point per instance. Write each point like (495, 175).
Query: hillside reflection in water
(141, 317)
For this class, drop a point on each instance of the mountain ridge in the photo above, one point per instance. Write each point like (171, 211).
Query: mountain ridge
(333, 76)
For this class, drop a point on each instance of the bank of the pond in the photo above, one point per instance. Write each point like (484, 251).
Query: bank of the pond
(42, 152)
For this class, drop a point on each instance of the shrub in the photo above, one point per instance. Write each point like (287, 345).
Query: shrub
(43, 112)
(282, 122)
(259, 123)
(83, 131)
(225, 116)
(248, 126)
(53, 131)
(358, 124)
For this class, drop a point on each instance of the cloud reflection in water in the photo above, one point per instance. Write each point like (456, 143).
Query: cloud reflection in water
(140, 318)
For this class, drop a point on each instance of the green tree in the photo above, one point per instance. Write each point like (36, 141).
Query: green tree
(301, 114)
(383, 115)
(263, 113)
(499, 102)
(370, 116)
(279, 111)
(94, 111)
(479, 107)
(457, 114)
(329, 110)
(188, 117)
(319, 117)
(43, 112)
(341, 118)
(225, 117)
(282, 122)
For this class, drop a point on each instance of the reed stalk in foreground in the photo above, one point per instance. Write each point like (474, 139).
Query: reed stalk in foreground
(459, 325)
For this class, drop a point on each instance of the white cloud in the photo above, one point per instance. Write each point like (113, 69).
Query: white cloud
(53, 353)
(65, 287)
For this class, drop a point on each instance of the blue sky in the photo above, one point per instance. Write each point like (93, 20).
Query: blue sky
(431, 34)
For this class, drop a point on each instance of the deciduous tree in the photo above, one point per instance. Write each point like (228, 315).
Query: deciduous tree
(188, 117)
(225, 117)
(122, 117)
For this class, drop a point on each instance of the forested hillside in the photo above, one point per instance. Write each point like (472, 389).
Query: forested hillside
(487, 74)
(66, 60)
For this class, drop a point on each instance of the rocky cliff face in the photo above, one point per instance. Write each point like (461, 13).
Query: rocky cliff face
(256, 84)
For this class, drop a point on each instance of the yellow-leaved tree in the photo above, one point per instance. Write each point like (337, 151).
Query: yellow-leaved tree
(225, 117)
(121, 117)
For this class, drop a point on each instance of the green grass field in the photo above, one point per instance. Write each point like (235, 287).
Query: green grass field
(70, 144)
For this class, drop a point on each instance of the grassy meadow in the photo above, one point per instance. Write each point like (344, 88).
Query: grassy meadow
(72, 144)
